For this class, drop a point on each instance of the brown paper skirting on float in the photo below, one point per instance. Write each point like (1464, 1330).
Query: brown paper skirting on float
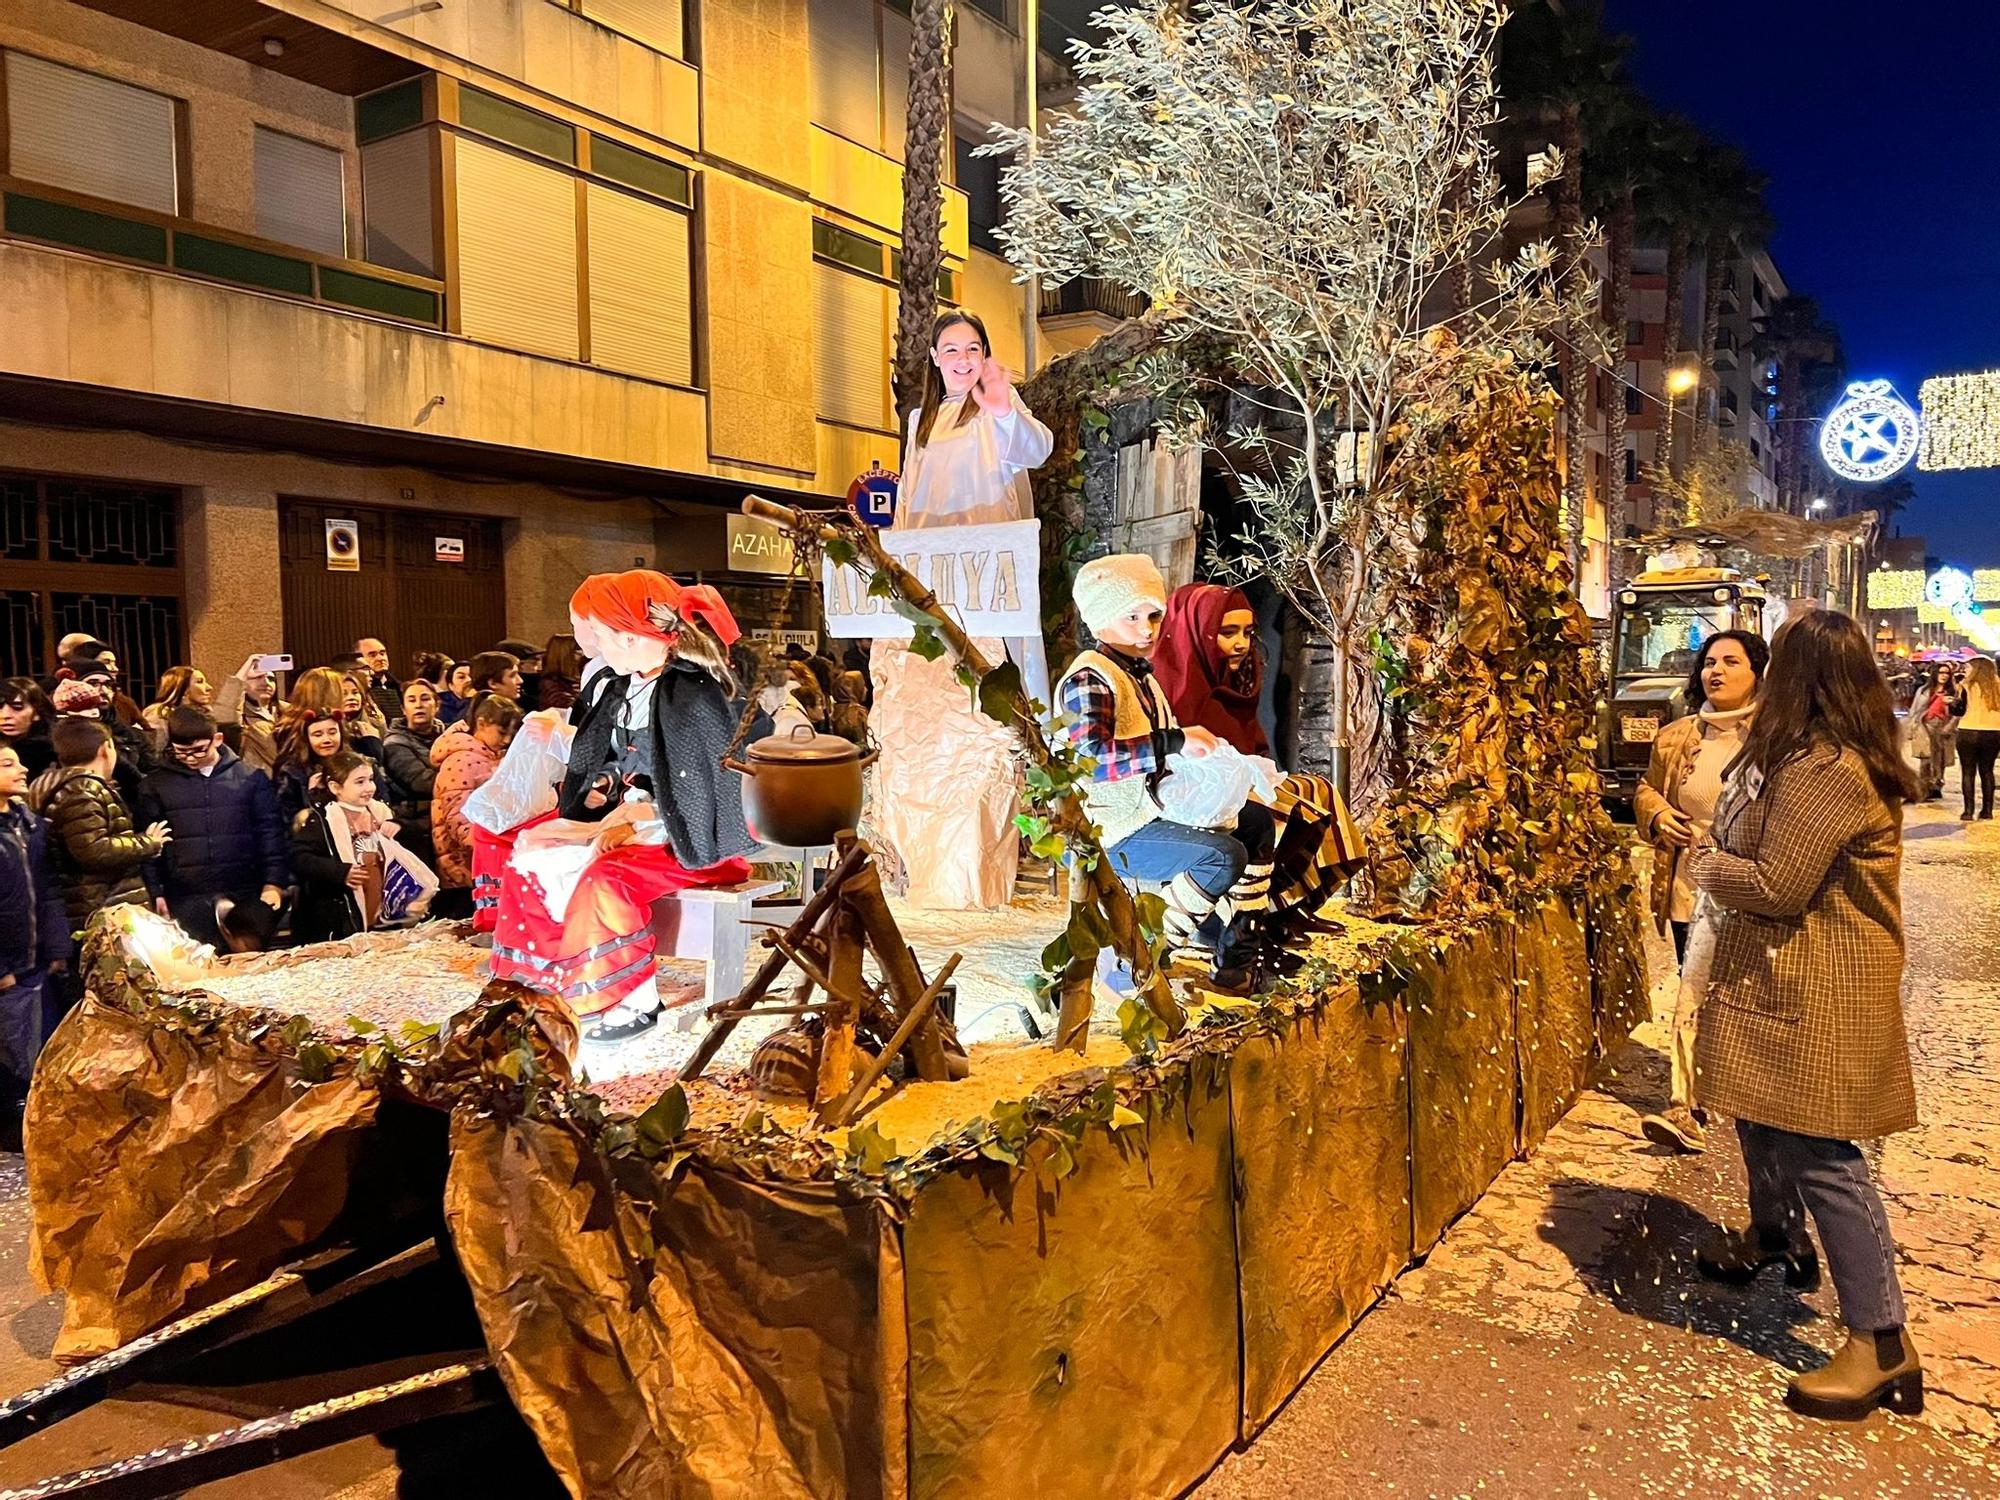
(734, 1343)
(168, 1171)
(1555, 1031)
(1320, 1113)
(700, 1325)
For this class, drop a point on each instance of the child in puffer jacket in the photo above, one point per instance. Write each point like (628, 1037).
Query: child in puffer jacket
(465, 759)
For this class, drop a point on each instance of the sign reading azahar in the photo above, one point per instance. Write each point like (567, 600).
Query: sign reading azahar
(987, 577)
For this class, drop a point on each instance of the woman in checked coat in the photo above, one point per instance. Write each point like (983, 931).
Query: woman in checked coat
(1801, 1035)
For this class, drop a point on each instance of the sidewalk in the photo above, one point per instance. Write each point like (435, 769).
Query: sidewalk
(1559, 1343)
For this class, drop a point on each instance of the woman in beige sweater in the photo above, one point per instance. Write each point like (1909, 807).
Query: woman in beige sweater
(1674, 807)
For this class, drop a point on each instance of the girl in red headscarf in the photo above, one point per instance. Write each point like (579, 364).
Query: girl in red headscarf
(645, 767)
(1213, 673)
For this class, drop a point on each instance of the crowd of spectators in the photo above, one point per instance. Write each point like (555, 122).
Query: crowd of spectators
(242, 808)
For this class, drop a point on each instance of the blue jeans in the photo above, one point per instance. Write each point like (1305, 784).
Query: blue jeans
(1790, 1173)
(1162, 850)
(22, 1024)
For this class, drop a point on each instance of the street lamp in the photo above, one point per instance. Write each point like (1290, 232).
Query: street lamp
(1680, 380)
(1819, 504)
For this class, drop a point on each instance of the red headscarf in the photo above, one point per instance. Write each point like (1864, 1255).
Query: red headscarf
(1199, 683)
(642, 602)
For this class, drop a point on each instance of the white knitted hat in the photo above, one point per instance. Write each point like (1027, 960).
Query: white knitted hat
(1107, 588)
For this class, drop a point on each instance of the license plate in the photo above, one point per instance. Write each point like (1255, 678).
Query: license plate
(1639, 731)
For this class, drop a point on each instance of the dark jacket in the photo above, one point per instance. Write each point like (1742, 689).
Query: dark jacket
(325, 908)
(98, 854)
(693, 725)
(228, 839)
(388, 695)
(34, 924)
(408, 777)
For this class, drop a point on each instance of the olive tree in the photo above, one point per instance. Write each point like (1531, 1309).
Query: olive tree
(1306, 180)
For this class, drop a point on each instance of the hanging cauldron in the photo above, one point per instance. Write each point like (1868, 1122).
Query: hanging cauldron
(801, 789)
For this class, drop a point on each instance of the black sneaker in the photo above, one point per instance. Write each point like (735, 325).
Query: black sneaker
(621, 1030)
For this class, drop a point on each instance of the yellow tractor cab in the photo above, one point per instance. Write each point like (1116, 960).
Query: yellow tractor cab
(1659, 623)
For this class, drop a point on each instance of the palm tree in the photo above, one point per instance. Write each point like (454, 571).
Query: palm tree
(1805, 348)
(1558, 67)
(1623, 164)
(928, 126)
(1670, 211)
(1733, 218)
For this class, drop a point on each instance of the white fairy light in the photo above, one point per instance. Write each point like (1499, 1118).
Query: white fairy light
(1961, 422)
(1871, 434)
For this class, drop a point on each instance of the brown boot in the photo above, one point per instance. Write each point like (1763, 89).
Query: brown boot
(1871, 1370)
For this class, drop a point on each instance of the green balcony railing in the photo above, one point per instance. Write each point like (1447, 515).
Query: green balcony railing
(51, 216)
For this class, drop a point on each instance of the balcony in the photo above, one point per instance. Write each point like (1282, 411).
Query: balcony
(44, 215)
(1725, 350)
(1081, 311)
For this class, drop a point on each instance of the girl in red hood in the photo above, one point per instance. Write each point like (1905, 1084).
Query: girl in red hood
(1213, 672)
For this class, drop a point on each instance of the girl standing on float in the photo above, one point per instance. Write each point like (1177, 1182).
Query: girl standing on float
(947, 785)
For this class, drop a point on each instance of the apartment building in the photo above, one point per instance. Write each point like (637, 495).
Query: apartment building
(1745, 395)
(514, 289)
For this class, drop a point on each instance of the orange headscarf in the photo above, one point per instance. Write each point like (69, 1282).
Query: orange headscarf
(643, 602)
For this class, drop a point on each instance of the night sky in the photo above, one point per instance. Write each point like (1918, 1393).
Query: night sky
(1879, 127)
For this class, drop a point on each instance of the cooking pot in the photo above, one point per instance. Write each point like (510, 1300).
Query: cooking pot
(802, 788)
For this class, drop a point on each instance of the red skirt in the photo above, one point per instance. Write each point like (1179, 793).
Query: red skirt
(602, 949)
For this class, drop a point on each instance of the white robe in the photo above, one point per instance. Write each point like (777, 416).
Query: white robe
(947, 787)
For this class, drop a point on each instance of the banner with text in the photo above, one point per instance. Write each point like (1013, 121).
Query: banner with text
(988, 578)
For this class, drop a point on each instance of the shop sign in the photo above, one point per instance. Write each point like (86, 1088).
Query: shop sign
(780, 639)
(759, 546)
(987, 577)
(872, 496)
(343, 547)
(449, 549)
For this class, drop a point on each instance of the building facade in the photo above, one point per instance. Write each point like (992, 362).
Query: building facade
(520, 289)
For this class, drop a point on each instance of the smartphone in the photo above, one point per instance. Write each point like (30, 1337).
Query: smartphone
(273, 664)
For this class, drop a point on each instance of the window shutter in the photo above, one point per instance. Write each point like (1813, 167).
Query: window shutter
(396, 205)
(89, 134)
(851, 348)
(844, 70)
(641, 293)
(895, 82)
(516, 251)
(657, 23)
(301, 193)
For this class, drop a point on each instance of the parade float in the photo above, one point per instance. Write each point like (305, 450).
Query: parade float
(1084, 1263)
(846, 1234)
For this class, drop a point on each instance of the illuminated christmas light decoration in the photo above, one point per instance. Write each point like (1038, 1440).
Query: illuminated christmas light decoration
(1986, 585)
(1961, 422)
(1871, 435)
(1895, 588)
(1949, 588)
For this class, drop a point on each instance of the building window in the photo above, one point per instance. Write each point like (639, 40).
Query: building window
(90, 134)
(1631, 465)
(398, 208)
(861, 71)
(301, 193)
(504, 120)
(979, 179)
(854, 319)
(1756, 450)
(641, 286)
(1728, 398)
(1635, 333)
(657, 23)
(1635, 401)
(517, 243)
